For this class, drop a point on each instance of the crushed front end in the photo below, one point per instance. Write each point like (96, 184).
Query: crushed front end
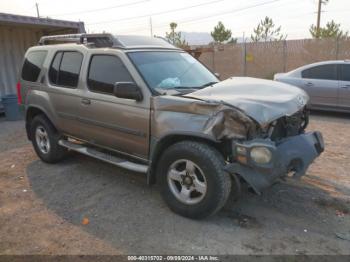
(258, 125)
(282, 148)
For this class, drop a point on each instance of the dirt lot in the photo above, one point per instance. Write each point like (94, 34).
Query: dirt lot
(42, 207)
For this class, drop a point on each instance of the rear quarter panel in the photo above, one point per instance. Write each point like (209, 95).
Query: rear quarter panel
(37, 94)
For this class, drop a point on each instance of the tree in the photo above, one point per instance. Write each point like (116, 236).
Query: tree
(232, 41)
(331, 30)
(267, 31)
(175, 37)
(220, 34)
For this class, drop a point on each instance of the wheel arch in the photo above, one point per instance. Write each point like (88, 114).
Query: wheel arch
(160, 145)
(31, 112)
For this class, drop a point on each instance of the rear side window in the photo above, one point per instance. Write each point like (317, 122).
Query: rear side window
(325, 72)
(33, 63)
(53, 72)
(65, 68)
(104, 71)
(345, 73)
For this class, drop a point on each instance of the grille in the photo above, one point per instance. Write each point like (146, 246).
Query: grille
(290, 125)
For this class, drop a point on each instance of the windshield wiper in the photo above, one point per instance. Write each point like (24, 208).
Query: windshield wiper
(209, 84)
(196, 87)
(184, 87)
(190, 87)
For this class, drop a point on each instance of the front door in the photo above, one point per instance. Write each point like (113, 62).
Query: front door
(112, 122)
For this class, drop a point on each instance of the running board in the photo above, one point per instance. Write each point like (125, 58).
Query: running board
(104, 157)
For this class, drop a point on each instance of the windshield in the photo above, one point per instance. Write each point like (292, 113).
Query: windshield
(172, 70)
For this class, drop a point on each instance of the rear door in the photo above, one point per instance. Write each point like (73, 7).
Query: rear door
(64, 91)
(344, 90)
(108, 121)
(322, 85)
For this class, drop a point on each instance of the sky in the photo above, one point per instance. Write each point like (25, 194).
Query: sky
(135, 16)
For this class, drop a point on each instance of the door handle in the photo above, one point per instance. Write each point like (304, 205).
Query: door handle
(346, 86)
(309, 84)
(85, 101)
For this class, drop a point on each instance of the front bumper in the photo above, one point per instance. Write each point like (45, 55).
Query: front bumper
(292, 154)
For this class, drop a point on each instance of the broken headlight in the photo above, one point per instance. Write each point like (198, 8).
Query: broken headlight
(257, 152)
(260, 155)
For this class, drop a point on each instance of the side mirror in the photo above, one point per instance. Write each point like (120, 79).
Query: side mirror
(128, 90)
(217, 75)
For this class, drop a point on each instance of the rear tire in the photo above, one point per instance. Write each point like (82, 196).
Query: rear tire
(193, 182)
(45, 139)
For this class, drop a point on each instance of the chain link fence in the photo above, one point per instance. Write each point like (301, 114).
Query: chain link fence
(264, 59)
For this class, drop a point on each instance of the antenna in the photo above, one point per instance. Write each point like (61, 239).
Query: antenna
(151, 26)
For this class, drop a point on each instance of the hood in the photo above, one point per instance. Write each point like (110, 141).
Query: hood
(278, 75)
(262, 100)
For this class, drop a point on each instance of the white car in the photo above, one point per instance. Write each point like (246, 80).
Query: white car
(327, 83)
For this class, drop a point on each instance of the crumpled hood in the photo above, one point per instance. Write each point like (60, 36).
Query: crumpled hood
(262, 100)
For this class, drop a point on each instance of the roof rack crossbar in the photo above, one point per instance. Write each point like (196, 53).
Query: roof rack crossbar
(99, 40)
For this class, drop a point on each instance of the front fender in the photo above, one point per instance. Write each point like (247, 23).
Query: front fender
(158, 145)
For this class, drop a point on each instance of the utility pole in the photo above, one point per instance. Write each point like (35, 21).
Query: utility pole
(318, 25)
(318, 19)
(173, 34)
(151, 26)
(244, 56)
(37, 10)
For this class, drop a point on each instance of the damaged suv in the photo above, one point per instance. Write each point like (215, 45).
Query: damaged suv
(142, 104)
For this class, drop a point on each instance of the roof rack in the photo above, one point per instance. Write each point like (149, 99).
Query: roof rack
(98, 40)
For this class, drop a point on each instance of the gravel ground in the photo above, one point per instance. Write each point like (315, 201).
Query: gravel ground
(84, 206)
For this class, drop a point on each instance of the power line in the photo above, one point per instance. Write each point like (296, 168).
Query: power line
(236, 10)
(336, 11)
(155, 14)
(102, 9)
(189, 21)
(230, 12)
(163, 25)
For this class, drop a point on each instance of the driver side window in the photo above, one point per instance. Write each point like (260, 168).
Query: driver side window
(325, 72)
(104, 71)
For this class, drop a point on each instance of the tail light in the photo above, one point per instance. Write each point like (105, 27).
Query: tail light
(19, 95)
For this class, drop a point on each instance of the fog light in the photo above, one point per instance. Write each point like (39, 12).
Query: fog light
(261, 155)
(242, 159)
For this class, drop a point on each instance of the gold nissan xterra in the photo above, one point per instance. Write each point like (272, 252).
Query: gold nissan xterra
(142, 104)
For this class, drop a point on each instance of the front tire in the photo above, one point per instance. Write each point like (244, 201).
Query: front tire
(45, 139)
(193, 182)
